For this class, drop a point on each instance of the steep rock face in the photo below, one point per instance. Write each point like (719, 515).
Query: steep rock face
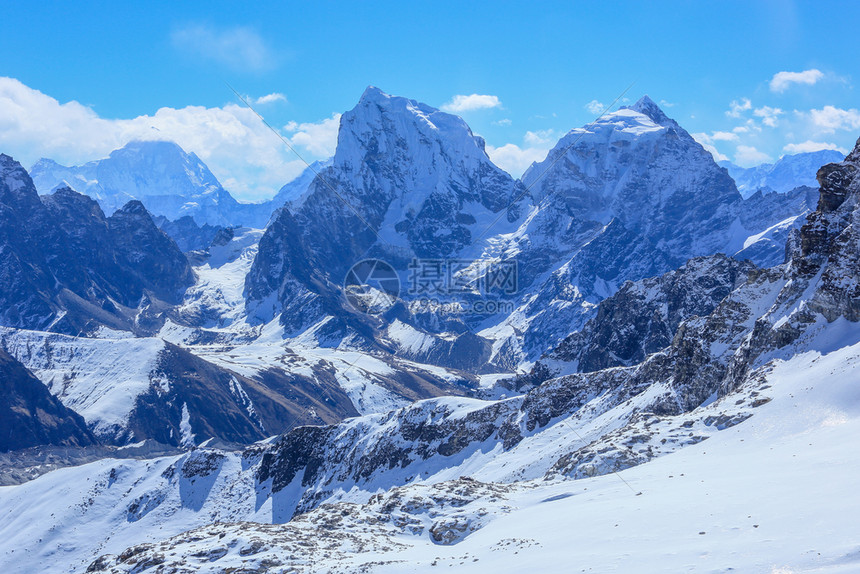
(642, 170)
(631, 196)
(776, 214)
(187, 234)
(191, 400)
(153, 260)
(68, 268)
(828, 242)
(406, 180)
(642, 317)
(31, 416)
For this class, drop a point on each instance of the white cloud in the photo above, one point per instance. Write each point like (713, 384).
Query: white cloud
(503, 122)
(318, 138)
(736, 108)
(539, 137)
(707, 142)
(514, 159)
(809, 146)
(244, 155)
(595, 107)
(715, 152)
(724, 136)
(461, 103)
(829, 119)
(768, 115)
(749, 156)
(665, 104)
(240, 49)
(271, 98)
(781, 81)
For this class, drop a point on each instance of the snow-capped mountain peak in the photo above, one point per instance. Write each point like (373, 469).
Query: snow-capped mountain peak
(168, 180)
(649, 107)
(789, 172)
(166, 165)
(422, 147)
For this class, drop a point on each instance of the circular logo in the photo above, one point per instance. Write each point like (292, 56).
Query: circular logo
(372, 286)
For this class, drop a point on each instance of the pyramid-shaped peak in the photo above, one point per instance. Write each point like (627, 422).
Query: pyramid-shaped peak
(374, 94)
(132, 208)
(649, 107)
(154, 147)
(645, 102)
(8, 163)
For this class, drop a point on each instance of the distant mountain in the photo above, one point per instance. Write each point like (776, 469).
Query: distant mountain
(788, 172)
(160, 174)
(168, 181)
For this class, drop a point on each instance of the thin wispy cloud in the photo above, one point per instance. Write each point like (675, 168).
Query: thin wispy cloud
(782, 81)
(769, 116)
(239, 48)
(461, 103)
(595, 107)
(270, 98)
(540, 137)
(738, 107)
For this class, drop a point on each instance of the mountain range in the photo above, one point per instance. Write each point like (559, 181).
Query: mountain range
(655, 309)
(789, 172)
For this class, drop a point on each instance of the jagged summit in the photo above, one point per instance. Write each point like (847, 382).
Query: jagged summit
(10, 168)
(372, 93)
(649, 107)
(167, 179)
(133, 207)
(388, 124)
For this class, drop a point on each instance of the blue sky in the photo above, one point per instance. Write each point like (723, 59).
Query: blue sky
(752, 80)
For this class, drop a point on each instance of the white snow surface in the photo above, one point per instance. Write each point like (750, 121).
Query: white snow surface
(744, 500)
(98, 378)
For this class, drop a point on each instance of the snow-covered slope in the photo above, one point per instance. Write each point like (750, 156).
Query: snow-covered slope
(803, 414)
(691, 365)
(30, 416)
(789, 172)
(691, 514)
